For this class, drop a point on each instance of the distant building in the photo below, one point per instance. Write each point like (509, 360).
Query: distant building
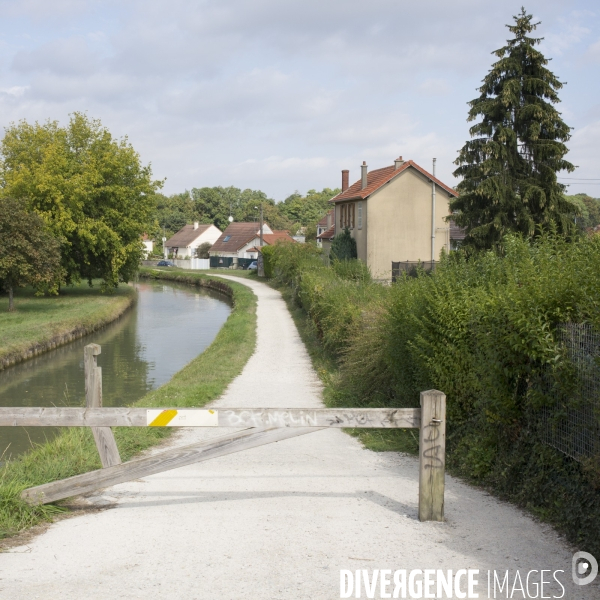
(388, 212)
(239, 244)
(324, 239)
(324, 224)
(189, 237)
(148, 245)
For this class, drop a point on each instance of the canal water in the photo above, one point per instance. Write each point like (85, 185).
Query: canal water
(169, 326)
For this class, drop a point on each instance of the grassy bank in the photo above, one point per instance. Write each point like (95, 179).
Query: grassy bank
(41, 323)
(202, 380)
(335, 393)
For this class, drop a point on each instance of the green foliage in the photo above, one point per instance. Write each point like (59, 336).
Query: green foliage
(509, 168)
(482, 330)
(268, 266)
(343, 247)
(202, 250)
(588, 209)
(91, 190)
(29, 255)
(307, 210)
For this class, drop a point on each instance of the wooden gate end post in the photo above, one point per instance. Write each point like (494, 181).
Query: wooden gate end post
(103, 436)
(432, 456)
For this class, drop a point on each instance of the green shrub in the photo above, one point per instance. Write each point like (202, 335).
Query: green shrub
(483, 330)
(343, 247)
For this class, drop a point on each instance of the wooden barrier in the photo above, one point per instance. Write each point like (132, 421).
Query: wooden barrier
(266, 425)
(103, 436)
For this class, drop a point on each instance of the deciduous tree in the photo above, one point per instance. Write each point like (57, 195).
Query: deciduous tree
(29, 253)
(91, 190)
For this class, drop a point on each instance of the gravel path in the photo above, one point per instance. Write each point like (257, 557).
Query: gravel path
(278, 521)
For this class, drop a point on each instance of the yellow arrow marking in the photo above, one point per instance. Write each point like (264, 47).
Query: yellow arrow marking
(165, 417)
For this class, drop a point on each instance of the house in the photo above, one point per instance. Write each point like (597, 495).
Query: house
(189, 237)
(325, 238)
(239, 244)
(323, 225)
(148, 245)
(236, 244)
(396, 213)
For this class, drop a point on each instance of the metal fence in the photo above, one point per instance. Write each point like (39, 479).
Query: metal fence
(572, 424)
(411, 268)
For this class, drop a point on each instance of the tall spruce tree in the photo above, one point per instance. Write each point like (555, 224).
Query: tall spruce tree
(509, 167)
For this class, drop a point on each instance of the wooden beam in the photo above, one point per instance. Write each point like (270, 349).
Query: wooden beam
(103, 436)
(432, 456)
(164, 461)
(231, 417)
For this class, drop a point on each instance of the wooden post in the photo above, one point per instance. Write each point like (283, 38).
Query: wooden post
(432, 456)
(103, 436)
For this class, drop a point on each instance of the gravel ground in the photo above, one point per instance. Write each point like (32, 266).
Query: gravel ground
(282, 520)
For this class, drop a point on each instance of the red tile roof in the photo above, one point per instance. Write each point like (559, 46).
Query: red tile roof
(277, 236)
(379, 177)
(327, 235)
(239, 234)
(323, 221)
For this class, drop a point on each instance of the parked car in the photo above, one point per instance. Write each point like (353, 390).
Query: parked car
(252, 266)
(165, 263)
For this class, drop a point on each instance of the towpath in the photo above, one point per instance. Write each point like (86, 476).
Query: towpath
(280, 521)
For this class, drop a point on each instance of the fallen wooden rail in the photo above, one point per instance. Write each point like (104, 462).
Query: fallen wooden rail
(164, 461)
(266, 425)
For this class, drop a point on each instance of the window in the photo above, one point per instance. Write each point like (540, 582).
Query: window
(227, 238)
(360, 215)
(347, 214)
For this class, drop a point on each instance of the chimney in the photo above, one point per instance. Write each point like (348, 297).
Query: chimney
(195, 224)
(345, 177)
(398, 162)
(363, 175)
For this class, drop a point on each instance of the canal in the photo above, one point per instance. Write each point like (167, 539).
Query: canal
(169, 326)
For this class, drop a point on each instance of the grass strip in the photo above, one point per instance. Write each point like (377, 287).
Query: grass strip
(335, 395)
(73, 452)
(41, 323)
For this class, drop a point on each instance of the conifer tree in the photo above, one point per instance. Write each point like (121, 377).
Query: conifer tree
(509, 167)
(343, 246)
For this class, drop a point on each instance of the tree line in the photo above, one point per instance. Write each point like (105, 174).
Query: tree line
(216, 204)
(75, 202)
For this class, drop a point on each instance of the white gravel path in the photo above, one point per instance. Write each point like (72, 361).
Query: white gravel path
(278, 521)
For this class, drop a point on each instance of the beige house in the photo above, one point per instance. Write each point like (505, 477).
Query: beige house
(184, 243)
(395, 214)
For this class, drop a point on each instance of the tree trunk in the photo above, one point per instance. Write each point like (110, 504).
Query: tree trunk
(11, 303)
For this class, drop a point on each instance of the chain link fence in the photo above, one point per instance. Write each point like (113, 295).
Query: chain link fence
(572, 424)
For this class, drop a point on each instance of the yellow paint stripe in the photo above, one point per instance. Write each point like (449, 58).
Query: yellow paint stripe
(164, 418)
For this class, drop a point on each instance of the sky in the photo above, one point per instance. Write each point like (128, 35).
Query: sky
(282, 95)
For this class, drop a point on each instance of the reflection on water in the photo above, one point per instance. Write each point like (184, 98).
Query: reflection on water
(169, 326)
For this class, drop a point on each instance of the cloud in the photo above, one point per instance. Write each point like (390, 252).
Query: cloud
(593, 52)
(70, 56)
(268, 94)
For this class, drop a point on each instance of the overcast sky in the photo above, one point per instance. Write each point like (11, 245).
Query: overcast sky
(280, 95)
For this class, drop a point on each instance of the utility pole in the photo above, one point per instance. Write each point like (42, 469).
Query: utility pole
(261, 224)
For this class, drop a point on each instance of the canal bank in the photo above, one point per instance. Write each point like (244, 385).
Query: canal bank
(40, 324)
(202, 380)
